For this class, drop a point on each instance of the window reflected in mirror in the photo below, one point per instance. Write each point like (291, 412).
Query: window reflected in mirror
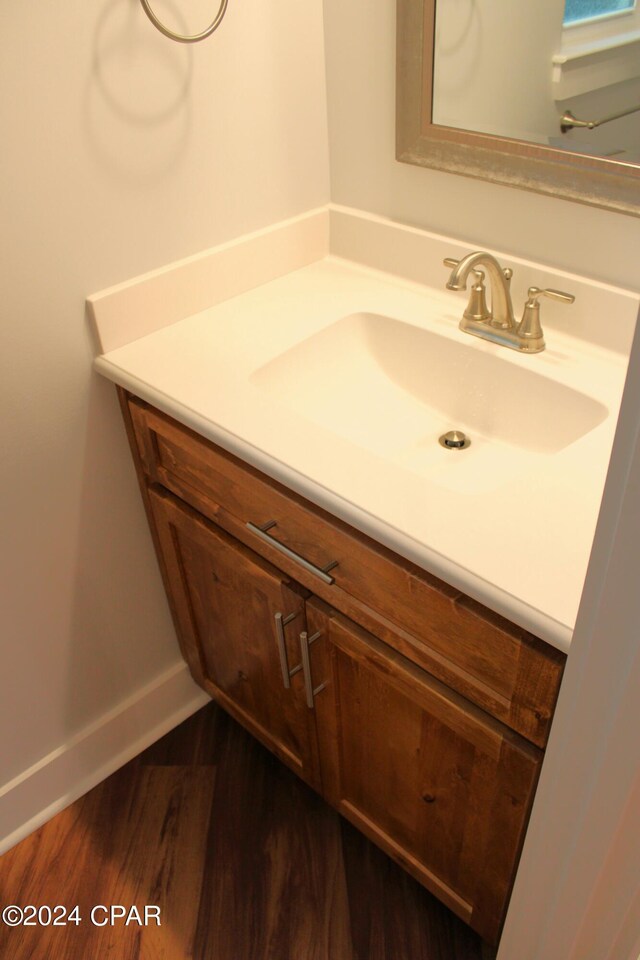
(577, 11)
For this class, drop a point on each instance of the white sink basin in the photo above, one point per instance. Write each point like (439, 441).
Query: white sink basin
(394, 388)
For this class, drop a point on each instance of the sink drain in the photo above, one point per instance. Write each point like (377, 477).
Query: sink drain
(454, 440)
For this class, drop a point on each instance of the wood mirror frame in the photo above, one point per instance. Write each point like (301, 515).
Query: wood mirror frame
(597, 181)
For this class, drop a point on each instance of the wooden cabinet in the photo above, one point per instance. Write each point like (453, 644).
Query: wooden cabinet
(442, 787)
(502, 668)
(239, 620)
(420, 715)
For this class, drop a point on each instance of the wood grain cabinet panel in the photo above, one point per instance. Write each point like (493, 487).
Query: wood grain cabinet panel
(502, 668)
(442, 787)
(227, 600)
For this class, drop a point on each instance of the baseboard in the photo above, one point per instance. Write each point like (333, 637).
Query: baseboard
(65, 774)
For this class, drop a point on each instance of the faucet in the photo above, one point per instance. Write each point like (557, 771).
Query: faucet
(499, 324)
(501, 315)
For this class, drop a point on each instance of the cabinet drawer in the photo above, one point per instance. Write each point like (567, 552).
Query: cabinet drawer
(502, 668)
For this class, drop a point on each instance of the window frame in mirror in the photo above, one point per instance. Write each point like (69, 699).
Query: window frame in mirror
(597, 181)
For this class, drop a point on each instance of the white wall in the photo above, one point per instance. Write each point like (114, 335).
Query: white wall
(577, 893)
(121, 151)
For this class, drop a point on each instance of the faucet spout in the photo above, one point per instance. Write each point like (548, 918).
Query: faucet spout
(501, 305)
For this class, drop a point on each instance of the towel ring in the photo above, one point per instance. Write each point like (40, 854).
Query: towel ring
(179, 37)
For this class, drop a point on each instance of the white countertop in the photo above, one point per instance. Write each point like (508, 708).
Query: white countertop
(521, 547)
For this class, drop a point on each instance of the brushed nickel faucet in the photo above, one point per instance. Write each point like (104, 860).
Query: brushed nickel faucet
(498, 324)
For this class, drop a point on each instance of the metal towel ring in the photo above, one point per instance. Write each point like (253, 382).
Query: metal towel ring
(179, 37)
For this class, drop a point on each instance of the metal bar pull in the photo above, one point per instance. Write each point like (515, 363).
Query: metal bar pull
(305, 643)
(322, 572)
(281, 623)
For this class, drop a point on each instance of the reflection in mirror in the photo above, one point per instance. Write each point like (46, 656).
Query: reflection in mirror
(516, 69)
(540, 94)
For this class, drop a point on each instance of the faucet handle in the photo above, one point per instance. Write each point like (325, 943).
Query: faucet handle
(535, 292)
(477, 309)
(530, 329)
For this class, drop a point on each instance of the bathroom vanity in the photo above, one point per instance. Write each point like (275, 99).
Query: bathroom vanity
(389, 617)
(420, 715)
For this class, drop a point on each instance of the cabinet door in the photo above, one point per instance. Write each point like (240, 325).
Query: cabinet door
(239, 620)
(439, 785)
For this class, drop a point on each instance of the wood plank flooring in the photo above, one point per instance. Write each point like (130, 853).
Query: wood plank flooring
(244, 861)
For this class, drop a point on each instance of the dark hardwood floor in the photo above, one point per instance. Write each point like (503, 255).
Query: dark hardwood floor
(244, 861)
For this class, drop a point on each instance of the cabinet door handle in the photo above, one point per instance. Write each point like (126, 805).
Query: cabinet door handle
(305, 643)
(281, 623)
(322, 572)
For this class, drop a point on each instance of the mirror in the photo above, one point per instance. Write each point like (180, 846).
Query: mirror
(483, 87)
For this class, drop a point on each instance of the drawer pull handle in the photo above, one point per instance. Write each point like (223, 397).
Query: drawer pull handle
(322, 572)
(281, 623)
(305, 643)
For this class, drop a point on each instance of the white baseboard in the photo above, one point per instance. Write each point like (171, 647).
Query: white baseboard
(65, 774)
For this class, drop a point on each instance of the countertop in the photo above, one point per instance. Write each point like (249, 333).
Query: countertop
(520, 546)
